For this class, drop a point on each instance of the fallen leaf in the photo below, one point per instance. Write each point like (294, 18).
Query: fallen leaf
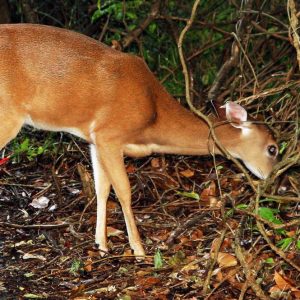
(130, 169)
(226, 260)
(147, 282)
(88, 265)
(33, 296)
(41, 202)
(93, 253)
(127, 252)
(112, 205)
(33, 256)
(208, 192)
(192, 266)
(155, 163)
(2, 287)
(197, 234)
(113, 231)
(187, 173)
(284, 283)
(296, 294)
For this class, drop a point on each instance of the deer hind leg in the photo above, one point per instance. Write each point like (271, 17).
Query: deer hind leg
(102, 186)
(9, 127)
(111, 158)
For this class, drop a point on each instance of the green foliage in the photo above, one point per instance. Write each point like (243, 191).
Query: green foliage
(75, 267)
(158, 260)
(242, 206)
(285, 243)
(28, 149)
(298, 245)
(191, 195)
(283, 146)
(177, 259)
(269, 215)
(269, 260)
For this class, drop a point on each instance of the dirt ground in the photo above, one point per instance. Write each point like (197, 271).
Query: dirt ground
(49, 253)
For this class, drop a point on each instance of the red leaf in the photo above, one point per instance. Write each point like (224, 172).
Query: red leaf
(4, 160)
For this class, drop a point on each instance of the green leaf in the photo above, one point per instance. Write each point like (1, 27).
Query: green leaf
(40, 150)
(158, 259)
(269, 260)
(24, 145)
(205, 79)
(283, 146)
(273, 29)
(96, 15)
(152, 27)
(285, 243)
(298, 244)
(75, 267)
(131, 15)
(242, 206)
(268, 214)
(192, 195)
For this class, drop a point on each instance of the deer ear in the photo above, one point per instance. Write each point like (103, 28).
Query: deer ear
(235, 114)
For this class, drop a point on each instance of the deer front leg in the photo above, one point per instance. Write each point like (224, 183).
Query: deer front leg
(111, 158)
(102, 186)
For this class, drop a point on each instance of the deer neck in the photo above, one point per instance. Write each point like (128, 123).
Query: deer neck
(178, 131)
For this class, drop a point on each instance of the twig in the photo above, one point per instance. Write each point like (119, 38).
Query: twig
(250, 276)
(188, 98)
(36, 226)
(292, 14)
(233, 60)
(262, 231)
(189, 223)
(213, 261)
(135, 33)
(274, 34)
(272, 225)
(249, 272)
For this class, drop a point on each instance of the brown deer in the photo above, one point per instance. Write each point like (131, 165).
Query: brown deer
(59, 80)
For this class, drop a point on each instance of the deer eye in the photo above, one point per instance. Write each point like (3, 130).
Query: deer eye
(272, 150)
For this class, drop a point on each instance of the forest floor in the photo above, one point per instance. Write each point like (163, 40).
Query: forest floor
(196, 240)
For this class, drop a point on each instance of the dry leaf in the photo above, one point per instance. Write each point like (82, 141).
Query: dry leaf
(296, 294)
(187, 173)
(226, 260)
(281, 282)
(210, 191)
(113, 231)
(130, 169)
(112, 205)
(86, 180)
(33, 256)
(284, 283)
(41, 202)
(155, 163)
(127, 252)
(197, 234)
(147, 282)
(88, 265)
(93, 253)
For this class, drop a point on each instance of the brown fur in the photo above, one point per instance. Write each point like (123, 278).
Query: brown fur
(60, 80)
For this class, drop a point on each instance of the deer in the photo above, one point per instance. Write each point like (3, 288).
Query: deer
(58, 80)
